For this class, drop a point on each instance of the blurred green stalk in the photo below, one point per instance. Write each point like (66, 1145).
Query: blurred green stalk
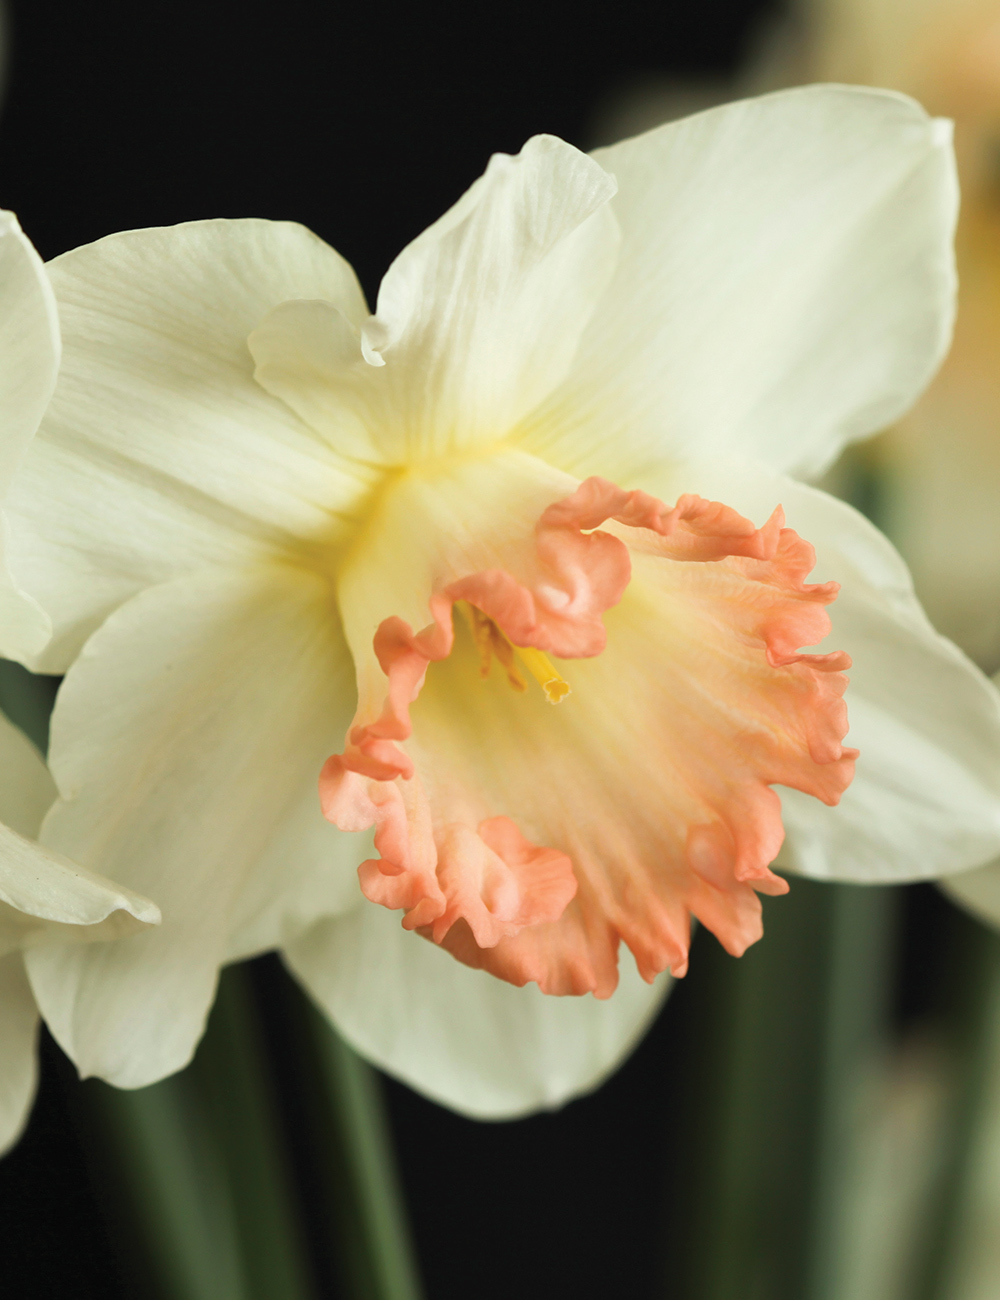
(212, 1195)
(166, 1188)
(27, 700)
(861, 931)
(971, 1006)
(232, 1074)
(788, 1030)
(201, 1159)
(383, 1261)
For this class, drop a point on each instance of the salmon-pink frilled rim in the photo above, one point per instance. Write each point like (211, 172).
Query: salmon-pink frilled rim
(646, 798)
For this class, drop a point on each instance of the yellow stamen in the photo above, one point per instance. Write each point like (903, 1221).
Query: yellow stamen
(540, 666)
(491, 642)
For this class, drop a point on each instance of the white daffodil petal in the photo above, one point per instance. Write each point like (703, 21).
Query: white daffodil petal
(309, 354)
(17, 929)
(25, 628)
(183, 742)
(37, 886)
(471, 1042)
(20, 931)
(18, 1055)
(29, 343)
(308, 868)
(478, 319)
(27, 790)
(785, 284)
(160, 454)
(924, 800)
(37, 881)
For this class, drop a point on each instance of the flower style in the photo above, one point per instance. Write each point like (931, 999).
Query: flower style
(42, 896)
(507, 563)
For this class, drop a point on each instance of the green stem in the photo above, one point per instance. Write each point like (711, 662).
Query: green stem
(364, 1234)
(856, 1032)
(27, 699)
(355, 1093)
(200, 1160)
(159, 1153)
(973, 1007)
(230, 1072)
(785, 1030)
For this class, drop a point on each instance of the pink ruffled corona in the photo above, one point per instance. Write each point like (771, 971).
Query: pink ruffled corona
(670, 812)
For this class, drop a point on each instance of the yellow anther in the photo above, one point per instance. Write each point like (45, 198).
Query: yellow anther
(491, 641)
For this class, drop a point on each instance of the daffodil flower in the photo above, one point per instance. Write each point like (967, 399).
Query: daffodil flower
(42, 896)
(505, 565)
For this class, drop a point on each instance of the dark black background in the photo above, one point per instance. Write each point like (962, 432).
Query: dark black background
(364, 122)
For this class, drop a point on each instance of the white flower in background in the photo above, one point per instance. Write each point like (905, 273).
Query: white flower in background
(251, 510)
(42, 896)
(939, 468)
